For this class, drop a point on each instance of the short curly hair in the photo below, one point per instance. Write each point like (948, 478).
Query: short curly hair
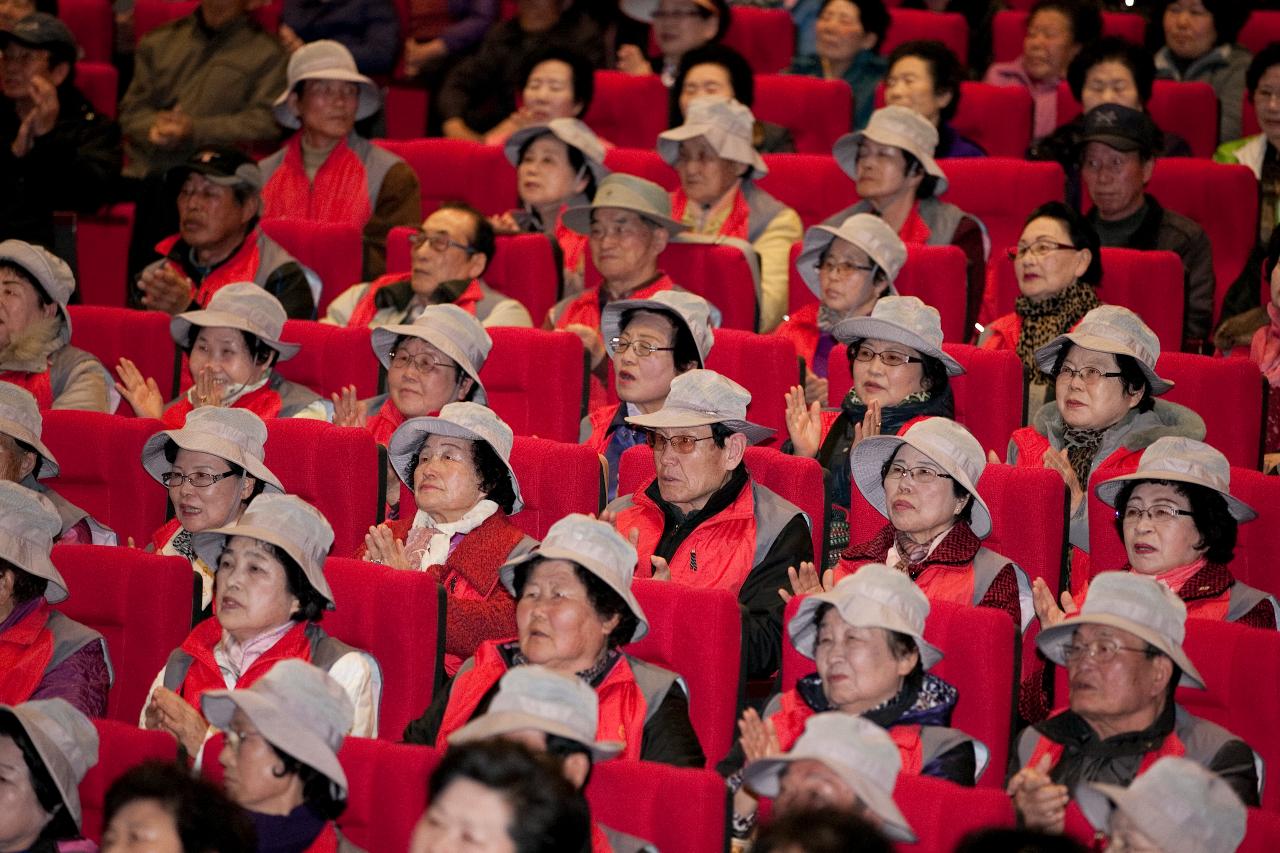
(1218, 529)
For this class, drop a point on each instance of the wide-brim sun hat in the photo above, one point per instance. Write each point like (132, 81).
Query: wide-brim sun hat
(242, 305)
(901, 127)
(642, 10)
(20, 419)
(29, 523)
(1182, 460)
(448, 328)
(572, 132)
(65, 741)
(727, 125)
(702, 398)
(869, 233)
(697, 315)
(1115, 330)
(237, 435)
(625, 192)
(325, 59)
(903, 320)
(51, 274)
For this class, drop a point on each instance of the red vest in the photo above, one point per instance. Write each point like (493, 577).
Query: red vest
(338, 194)
(165, 532)
(1003, 333)
(204, 674)
(1210, 608)
(585, 309)
(801, 328)
(326, 841)
(37, 384)
(241, 266)
(367, 308)
(573, 246)
(599, 840)
(735, 224)
(600, 419)
(263, 402)
(790, 721)
(26, 649)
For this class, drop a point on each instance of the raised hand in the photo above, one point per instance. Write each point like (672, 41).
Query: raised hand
(142, 393)
(381, 546)
(806, 581)
(804, 423)
(348, 409)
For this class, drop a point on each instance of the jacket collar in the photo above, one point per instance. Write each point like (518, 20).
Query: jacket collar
(719, 501)
(1071, 730)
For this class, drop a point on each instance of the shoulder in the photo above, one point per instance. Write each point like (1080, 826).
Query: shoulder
(1179, 227)
(769, 500)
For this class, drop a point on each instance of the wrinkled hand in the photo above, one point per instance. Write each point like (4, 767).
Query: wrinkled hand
(348, 409)
(170, 128)
(1058, 460)
(816, 388)
(804, 423)
(207, 390)
(632, 60)
(759, 737)
(504, 223)
(1047, 610)
(806, 581)
(418, 53)
(1042, 804)
(142, 393)
(381, 546)
(41, 119)
(165, 290)
(591, 340)
(870, 424)
(169, 712)
(289, 39)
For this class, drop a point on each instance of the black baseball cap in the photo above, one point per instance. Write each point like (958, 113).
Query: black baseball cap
(223, 165)
(43, 32)
(1121, 128)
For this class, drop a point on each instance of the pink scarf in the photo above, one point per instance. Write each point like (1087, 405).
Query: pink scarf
(1177, 578)
(1264, 350)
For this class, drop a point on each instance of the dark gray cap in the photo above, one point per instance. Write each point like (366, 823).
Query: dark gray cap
(43, 32)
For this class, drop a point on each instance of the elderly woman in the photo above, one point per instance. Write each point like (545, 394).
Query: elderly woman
(459, 468)
(848, 268)
(1058, 264)
(1199, 46)
(231, 346)
(925, 76)
(328, 173)
(160, 803)
(270, 594)
(46, 748)
(678, 27)
(43, 654)
(555, 82)
(849, 34)
(718, 165)
(35, 333)
(574, 609)
(1255, 334)
(1262, 86)
(899, 180)
(718, 71)
(280, 758)
(651, 342)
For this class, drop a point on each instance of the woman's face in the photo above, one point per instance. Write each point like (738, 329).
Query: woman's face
(445, 481)
(465, 816)
(1097, 405)
(225, 352)
(1110, 82)
(1266, 103)
(882, 173)
(21, 817)
(426, 381)
(19, 306)
(1156, 547)
(920, 508)
(847, 279)
(646, 380)
(857, 667)
(1044, 270)
(840, 36)
(548, 93)
(1049, 45)
(142, 826)
(557, 624)
(707, 80)
(327, 108)
(254, 775)
(704, 174)
(545, 175)
(251, 590)
(679, 26)
(200, 509)
(1188, 29)
(888, 386)
(910, 84)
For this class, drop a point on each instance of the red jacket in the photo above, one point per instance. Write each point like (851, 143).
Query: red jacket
(586, 308)
(801, 328)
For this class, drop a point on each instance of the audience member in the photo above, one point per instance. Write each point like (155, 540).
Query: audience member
(678, 26)
(161, 802)
(821, 831)
(440, 33)
(1256, 333)
(717, 70)
(555, 82)
(1261, 152)
(925, 76)
(369, 30)
(12, 11)
(1199, 46)
(849, 34)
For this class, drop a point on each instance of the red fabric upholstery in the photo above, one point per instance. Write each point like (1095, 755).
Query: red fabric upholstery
(334, 251)
(763, 364)
(1187, 109)
(452, 169)
(765, 37)
(950, 28)
(996, 117)
(406, 109)
(627, 110)
(312, 458)
(1263, 832)
(120, 747)
(643, 162)
(104, 236)
(1001, 192)
(817, 112)
(1227, 393)
(1260, 30)
(99, 82)
(673, 807)
(141, 336)
(331, 358)
(141, 604)
(111, 486)
(697, 634)
(812, 184)
(1249, 117)
(534, 379)
(93, 25)
(407, 640)
(1010, 26)
(942, 813)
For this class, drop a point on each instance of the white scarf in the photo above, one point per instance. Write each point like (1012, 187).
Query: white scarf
(437, 550)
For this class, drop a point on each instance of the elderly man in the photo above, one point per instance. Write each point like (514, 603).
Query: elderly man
(1117, 157)
(219, 241)
(56, 151)
(703, 521)
(326, 173)
(1124, 658)
(451, 251)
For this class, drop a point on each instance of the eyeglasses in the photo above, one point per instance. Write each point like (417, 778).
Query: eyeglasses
(1090, 376)
(1102, 651)
(438, 242)
(888, 358)
(425, 364)
(1038, 249)
(236, 739)
(919, 475)
(644, 349)
(1159, 514)
(198, 480)
(844, 269)
(681, 444)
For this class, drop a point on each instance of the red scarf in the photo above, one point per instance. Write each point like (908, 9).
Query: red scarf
(366, 309)
(339, 193)
(241, 266)
(573, 246)
(166, 532)
(205, 675)
(385, 422)
(263, 402)
(735, 224)
(36, 383)
(914, 230)
(26, 648)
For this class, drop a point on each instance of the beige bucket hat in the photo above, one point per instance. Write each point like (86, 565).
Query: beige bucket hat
(244, 306)
(625, 192)
(286, 521)
(458, 420)
(534, 697)
(1182, 460)
(868, 232)
(1180, 805)
(948, 444)
(325, 60)
(1113, 329)
(875, 596)
(904, 320)
(642, 10)
(28, 525)
(20, 419)
(51, 274)
(66, 742)
(728, 127)
(595, 546)
(861, 753)
(696, 314)
(572, 132)
(449, 329)
(901, 127)
(1135, 603)
(701, 398)
(296, 707)
(236, 435)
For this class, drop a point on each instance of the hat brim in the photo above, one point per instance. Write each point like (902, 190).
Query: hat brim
(611, 322)
(804, 633)
(155, 463)
(1111, 140)
(48, 464)
(1048, 354)
(180, 329)
(383, 339)
(862, 328)
(578, 218)
(675, 418)
(406, 444)
(50, 755)
(495, 724)
(34, 561)
(817, 240)
(1051, 640)
(1109, 490)
(208, 545)
(369, 100)
(511, 149)
(507, 574)
(669, 149)
(846, 153)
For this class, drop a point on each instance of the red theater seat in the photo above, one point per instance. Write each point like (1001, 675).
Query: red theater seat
(99, 82)
(673, 807)
(812, 184)
(942, 813)
(817, 112)
(121, 746)
(1262, 28)
(950, 28)
(644, 163)
(1227, 393)
(104, 236)
(1009, 27)
(331, 358)
(765, 37)
(1186, 109)
(1263, 833)
(93, 25)
(458, 169)
(1001, 192)
(535, 381)
(140, 336)
(763, 364)
(334, 251)
(627, 110)
(996, 117)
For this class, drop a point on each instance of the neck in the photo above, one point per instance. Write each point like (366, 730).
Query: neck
(861, 706)
(282, 804)
(648, 407)
(1124, 213)
(1134, 721)
(215, 253)
(924, 537)
(219, 20)
(245, 636)
(617, 288)
(833, 70)
(319, 141)
(576, 665)
(548, 214)
(895, 209)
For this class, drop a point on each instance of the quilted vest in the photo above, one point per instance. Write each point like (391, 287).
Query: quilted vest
(37, 384)
(37, 643)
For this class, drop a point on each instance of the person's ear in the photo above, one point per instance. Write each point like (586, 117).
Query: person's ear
(28, 465)
(58, 73)
(1082, 262)
(476, 264)
(576, 768)
(465, 385)
(659, 240)
(906, 664)
(735, 448)
(1148, 169)
(250, 209)
(1161, 672)
(246, 487)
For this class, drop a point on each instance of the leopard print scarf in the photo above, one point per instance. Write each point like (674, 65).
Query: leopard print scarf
(1044, 321)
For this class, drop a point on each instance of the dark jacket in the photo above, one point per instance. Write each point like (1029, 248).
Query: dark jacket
(370, 29)
(952, 144)
(471, 19)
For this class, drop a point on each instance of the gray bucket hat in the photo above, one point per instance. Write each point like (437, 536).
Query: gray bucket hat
(595, 546)
(948, 444)
(286, 521)
(1180, 805)
(901, 127)
(449, 329)
(1115, 330)
(696, 314)
(875, 596)
(296, 707)
(244, 306)
(28, 525)
(861, 753)
(1182, 460)
(51, 274)
(701, 398)
(66, 742)
(572, 132)
(868, 232)
(534, 697)
(20, 419)
(236, 435)
(325, 60)
(642, 10)
(625, 192)
(728, 127)
(1131, 602)
(904, 320)
(458, 420)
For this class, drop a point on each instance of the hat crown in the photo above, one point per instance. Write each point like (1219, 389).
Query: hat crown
(51, 272)
(295, 520)
(575, 132)
(240, 427)
(632, 193)
(897, 121)
(949, 444)
(560, 700)
(696, 313)
(597, 542)
(482, 421)
(69, 730)
(725, 114)
(314, 58)
(28, 517)
(912, 315)
(1194, 459)
(461, 329)
(874, 236)
(310, 697)
(1184, 799)
(887, 587)
(18, 405)
(1124, 327)
(851, 743)
(1116, 121)
(1138, 599)
(260, 310)
(708, 393)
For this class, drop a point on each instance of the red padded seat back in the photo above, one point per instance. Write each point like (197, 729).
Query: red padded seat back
(674, 807)
(141, 336)
(1010, 26)
(811, 184)
(996, 117)
(1263, 832)
(121, 746)
(331, 358)
(763, 364)
(1227, 393)
(93, 25)
(764, 37)
(627, 110)
(99, 82)
(459, 169)
(943, 813)
(643, 162)
(817, 112)
(1260, 30)
(333, 250)
(906, 25)
(534, 380)
(1186, 108)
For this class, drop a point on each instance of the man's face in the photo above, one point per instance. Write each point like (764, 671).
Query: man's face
(1115, 179)
(453, 260)
(20, 64)
(624, 246)
(327, 108)
(688, 480)
(209, 214)
(1107, 693)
